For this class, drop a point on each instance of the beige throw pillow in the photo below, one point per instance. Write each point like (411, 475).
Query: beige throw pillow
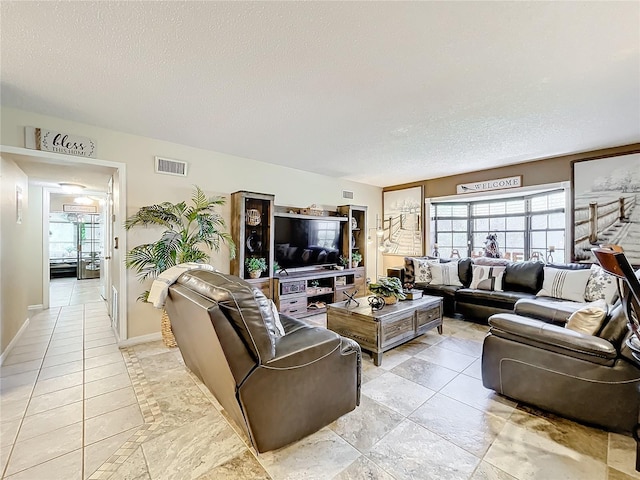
(445, 274)
(589, 318)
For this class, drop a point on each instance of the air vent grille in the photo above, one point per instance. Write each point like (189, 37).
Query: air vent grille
(171, 167)
(347, 194)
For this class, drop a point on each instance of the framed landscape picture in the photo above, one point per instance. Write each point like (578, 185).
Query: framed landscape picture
(402, 222)
(606, 192)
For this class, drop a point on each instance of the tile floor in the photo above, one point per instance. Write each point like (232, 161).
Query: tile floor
(74, 406)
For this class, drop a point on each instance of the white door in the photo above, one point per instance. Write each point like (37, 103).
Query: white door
(105, 264)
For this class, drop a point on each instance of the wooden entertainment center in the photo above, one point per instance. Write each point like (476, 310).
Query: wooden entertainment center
(308, 293)
(304, 291)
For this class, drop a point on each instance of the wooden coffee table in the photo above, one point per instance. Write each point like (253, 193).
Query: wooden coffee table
(380, 330)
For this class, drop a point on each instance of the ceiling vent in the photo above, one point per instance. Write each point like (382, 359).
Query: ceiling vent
(171, 167)
(347, 194)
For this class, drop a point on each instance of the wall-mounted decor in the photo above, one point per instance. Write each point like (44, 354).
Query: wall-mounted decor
(73, 208)
(402, 222)
(605, 205)
(18, 204)
(487, 185)
(59, 142)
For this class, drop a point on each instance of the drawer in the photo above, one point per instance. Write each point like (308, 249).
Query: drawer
(397, 329)
(428, 315)
(293, 305)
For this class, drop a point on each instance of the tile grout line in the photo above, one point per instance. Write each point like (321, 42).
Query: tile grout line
(151, 416)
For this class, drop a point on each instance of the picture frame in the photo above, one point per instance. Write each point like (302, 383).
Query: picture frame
(605, 206)
(403, 222)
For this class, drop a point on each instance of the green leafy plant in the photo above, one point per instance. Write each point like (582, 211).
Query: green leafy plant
(388, 287)
(356, 257)
(190, 232)
(256, 265)
(344, 261)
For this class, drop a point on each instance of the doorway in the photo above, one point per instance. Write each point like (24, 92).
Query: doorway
(94, 253)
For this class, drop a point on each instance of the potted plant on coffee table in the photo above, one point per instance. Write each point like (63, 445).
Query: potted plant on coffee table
(255, 266)
(190, 233)
(388, 288)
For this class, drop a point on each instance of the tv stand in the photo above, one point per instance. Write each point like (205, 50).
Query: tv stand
(301, 294)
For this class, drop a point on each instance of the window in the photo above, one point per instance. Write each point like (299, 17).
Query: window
(531, 226)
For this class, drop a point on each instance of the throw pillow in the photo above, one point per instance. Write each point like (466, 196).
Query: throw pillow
(422, 270)
(564, 284)
(600, 285)
(589, 318)
(487, 278)
(276, 319)
(445, 274)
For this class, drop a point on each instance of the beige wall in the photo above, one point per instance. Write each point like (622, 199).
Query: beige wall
(215, 172)
(34, 265)
(15, 282)
(536, 172)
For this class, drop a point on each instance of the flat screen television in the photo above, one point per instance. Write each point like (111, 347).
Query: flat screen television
(307, 242)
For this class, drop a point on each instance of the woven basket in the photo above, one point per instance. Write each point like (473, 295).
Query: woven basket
(167, 335)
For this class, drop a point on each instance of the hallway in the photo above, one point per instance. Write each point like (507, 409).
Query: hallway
(67, 400)
(70, 291)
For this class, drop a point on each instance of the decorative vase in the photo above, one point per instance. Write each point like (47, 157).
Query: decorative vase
(255, 274)
(390, 300)
(354, 264)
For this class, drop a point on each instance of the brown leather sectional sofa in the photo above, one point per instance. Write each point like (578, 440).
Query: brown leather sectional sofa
(522, 280)
(276, 388)
(529, 356)
(589, 378)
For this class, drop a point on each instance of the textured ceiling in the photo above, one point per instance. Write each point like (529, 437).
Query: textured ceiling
(377, 92)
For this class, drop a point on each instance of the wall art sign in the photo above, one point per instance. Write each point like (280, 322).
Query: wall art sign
(72, 208)
(59, 142)
(487, 185)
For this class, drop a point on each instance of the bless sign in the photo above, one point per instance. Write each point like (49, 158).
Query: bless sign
(59, 142)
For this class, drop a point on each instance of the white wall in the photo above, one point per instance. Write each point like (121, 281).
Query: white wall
(216, 173)
(14, 254)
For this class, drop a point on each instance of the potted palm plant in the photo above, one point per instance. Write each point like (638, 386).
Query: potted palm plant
(191, 231)
(255, 266)
(388, 288)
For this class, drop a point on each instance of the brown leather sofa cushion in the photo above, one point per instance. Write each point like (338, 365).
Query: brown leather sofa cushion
(523, 277)
(501, 300)
(247, 308)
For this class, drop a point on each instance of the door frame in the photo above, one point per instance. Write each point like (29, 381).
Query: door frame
(118, 230)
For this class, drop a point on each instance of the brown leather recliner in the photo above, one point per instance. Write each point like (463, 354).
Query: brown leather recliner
(277, 388)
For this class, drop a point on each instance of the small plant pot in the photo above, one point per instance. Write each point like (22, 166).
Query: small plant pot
(255, 274)
(354, 264)
(390, 300)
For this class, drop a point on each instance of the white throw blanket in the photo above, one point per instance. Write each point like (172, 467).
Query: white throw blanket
(160, 286)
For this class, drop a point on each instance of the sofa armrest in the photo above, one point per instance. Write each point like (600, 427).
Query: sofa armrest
(547, 336)
(303, 346)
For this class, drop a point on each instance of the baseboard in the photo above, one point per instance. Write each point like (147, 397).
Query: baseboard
(34, 309)
(13, 342)
(152, 337)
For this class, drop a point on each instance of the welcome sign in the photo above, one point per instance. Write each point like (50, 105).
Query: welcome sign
(59, 142)
(487, 185)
